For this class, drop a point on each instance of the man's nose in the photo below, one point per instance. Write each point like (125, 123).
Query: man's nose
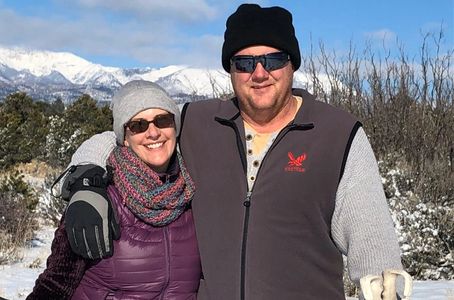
(260, 72)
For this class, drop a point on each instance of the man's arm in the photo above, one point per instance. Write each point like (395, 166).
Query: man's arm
(362, 226)
(95, 150)
(90, 220)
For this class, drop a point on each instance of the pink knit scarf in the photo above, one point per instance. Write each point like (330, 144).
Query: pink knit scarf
(150, 199)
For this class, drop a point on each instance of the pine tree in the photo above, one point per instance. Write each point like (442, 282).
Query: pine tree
(23, 130)
(81, 119)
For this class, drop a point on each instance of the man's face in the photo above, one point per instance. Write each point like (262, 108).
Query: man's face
(262, 91)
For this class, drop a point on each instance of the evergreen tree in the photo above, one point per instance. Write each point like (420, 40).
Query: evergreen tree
(57, 107)
(51, 109)
(15, 183)
(82, 119)
(22, 130)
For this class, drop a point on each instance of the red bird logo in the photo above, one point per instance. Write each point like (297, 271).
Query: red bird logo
(296, 162)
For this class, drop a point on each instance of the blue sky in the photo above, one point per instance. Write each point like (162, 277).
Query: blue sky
(155, 33)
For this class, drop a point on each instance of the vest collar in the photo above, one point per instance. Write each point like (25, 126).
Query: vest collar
(229, 110)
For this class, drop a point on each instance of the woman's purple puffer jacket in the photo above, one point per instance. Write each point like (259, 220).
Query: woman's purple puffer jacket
(148, 262)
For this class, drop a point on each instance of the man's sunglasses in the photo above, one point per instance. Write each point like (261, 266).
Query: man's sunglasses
(271, 61)
(160, 121)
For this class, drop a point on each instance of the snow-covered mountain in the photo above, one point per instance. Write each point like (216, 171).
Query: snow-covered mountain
(49, 75)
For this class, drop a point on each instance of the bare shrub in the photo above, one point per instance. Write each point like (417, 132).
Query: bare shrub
(36, 263)
(39, 177)
(406, 107)
(51, 208)
(17, 224)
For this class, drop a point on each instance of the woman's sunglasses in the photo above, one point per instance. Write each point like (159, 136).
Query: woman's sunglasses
(160, 121)
(270, 62)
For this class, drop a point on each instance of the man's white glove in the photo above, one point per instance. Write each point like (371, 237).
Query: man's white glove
(375, 287)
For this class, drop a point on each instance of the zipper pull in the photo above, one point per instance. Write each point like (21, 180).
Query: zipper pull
(247, 202)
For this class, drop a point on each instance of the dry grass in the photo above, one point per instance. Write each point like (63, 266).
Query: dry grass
(17, 215)
(35, 168)
(14, 232)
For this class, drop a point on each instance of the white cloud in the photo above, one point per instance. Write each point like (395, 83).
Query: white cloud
(183, 10)
(154, 41)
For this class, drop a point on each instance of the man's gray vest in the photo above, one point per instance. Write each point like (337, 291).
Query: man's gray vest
(274, 242)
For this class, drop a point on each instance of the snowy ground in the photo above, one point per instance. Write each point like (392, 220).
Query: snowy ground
(17, 280)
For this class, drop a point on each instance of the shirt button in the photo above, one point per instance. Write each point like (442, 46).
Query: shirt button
(252, 178)
(249, 151)
(256, 163)
(249, 137)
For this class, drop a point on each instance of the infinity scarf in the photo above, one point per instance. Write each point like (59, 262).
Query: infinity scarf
(149, 198)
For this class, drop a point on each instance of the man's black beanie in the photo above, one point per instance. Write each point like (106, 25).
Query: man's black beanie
(253, 25)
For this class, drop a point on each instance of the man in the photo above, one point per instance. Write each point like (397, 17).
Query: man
(285, 184)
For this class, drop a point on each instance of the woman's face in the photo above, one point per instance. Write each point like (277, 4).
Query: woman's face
(155, 145)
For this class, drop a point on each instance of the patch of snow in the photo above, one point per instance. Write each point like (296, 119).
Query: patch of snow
(17, 279)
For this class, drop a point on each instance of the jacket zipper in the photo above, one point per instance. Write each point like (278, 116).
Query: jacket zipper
(167, 257)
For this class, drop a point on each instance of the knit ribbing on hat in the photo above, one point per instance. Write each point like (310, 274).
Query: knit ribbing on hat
(136, 96)
(253, 25)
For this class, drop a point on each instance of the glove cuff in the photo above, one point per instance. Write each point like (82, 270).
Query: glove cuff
(82, 177)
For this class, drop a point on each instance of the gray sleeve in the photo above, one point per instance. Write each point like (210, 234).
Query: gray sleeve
(95, 150)
(362, 227)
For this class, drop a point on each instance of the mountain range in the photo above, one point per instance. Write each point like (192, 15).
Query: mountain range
(46, 75)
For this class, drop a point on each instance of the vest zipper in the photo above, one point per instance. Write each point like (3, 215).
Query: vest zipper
(247, 204)
(247, 201)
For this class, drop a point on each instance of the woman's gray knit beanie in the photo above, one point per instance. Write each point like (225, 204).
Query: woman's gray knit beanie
(136, 96)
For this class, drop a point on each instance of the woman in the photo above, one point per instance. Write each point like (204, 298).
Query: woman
(156, 256)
